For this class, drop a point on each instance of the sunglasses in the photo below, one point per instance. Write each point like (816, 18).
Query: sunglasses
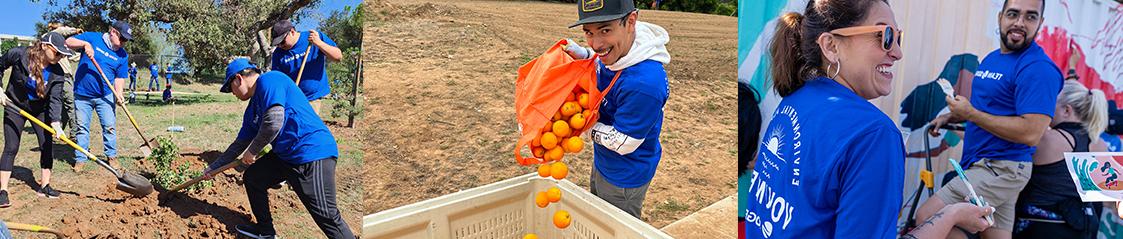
(889, 35)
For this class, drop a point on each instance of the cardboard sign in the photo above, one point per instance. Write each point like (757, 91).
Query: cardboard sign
(1096, 175)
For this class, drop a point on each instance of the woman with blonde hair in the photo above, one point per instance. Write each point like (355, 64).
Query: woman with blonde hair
(1049, 206)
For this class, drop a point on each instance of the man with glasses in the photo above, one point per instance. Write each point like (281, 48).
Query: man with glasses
(1013, 95)
(92, 93)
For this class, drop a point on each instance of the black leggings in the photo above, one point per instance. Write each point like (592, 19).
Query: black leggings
(13, 130)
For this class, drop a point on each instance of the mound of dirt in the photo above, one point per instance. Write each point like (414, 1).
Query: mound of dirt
(201, 214)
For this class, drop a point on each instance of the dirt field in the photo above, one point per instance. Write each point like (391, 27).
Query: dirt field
(91, 208)
(439, 82)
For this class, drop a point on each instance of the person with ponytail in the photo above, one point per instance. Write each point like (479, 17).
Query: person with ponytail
(831, 164)
(1048, 206)
(34, 85)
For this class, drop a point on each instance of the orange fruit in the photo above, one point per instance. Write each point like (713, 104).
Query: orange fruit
(541, 200)
(555, 154)
(573, 144)
(544, 170)
(586, 113)
(561, 129)
(549, 140)
(530, 236)
(583, 100)
(577, 121)
(557, 116)
(570, 108)
(562, 219)
(570, 96)
(553, 194)
(559, 170)
(536, 142)
(549, 126)
(538, 151)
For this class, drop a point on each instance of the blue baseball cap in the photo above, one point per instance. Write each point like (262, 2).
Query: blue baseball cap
(124, 29)
(235, 66)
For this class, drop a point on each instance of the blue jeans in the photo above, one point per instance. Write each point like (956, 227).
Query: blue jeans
(104, 106)
(154, 81)
(132, 83)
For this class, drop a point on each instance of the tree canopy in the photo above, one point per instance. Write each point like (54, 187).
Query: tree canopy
(209, 32)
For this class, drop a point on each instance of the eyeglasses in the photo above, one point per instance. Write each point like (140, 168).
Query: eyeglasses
(889, 35)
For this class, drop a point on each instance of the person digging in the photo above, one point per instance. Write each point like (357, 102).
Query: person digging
(302, 55)
(303, 152)
(35, 84)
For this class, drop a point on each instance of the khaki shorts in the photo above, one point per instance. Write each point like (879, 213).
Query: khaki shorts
(315, 106)
(998, 182)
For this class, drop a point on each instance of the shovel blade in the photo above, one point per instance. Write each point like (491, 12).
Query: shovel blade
(145, 151)
(135, 184)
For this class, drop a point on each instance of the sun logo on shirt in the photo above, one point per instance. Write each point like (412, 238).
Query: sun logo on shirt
(773, 144)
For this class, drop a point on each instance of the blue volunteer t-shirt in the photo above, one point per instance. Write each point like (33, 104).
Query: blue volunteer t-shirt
(1018, 83)
(169, 72)
(633, 108)
(132, 72)
(87, 82)
(314, 83)
(831, 165)
(154, 70)
(33, 85)
(304, 137)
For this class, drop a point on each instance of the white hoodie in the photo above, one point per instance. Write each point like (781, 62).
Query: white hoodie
(651, 43)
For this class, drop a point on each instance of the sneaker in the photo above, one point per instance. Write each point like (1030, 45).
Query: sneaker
(280, 185)
(47, 191)
(251, 231)
(4, 199)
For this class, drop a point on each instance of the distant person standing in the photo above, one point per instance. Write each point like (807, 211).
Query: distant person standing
(288, 57)
(155, 70)
(132, 76)
(168, 75)
(655, 4)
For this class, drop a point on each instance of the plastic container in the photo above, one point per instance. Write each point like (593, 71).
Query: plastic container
(506, 209)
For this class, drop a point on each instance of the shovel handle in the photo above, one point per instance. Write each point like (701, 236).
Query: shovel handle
(122, 104)
(67, 141)
(32, 228)
(195, 180)
(52, 131)
(304, 61)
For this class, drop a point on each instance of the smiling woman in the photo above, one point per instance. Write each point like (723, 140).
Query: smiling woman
(831, 164)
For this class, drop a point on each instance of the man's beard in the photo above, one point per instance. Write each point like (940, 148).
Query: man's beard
(1015, 47)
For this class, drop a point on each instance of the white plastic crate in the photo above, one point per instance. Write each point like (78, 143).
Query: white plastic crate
(506, 209)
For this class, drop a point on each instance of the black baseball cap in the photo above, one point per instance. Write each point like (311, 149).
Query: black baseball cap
(592, 11)
(56, 41)
(280, 30)
(125, 30)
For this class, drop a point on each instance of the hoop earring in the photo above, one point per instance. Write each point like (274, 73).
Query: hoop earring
(838, 69)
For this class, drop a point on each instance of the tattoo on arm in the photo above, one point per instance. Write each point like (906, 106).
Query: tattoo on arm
(931, 221)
